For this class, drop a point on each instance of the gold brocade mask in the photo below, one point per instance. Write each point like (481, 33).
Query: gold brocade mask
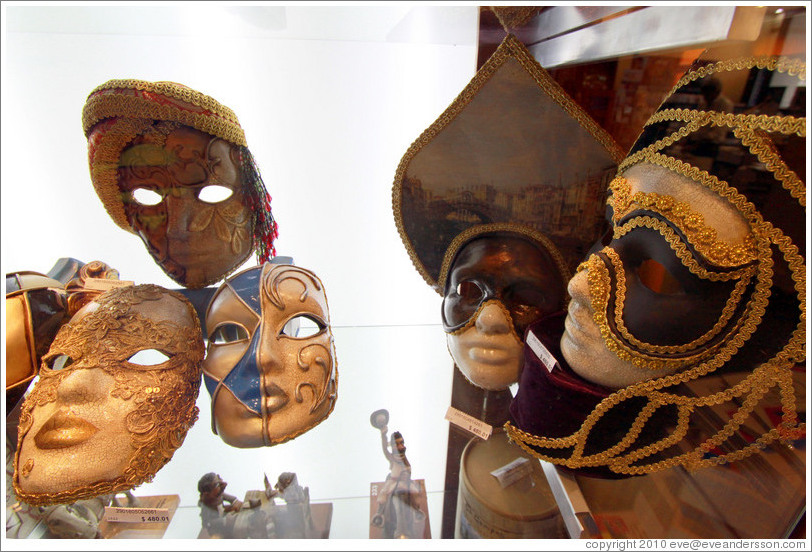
(269, 380)
(115, 398)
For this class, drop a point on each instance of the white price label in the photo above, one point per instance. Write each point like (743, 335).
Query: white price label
(545, 356)
(513, 472)
(136, 515)
(468, 423)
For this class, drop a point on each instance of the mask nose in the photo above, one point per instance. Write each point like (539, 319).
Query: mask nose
(181, 209)
(578, 288)
(493, 319)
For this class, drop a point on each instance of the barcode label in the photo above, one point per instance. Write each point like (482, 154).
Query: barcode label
(137, 515)
(545, 356)
(468, 423)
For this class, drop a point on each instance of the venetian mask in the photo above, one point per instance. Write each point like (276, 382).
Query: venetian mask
(171, 165)
(674, 280)
(497, 285)
(268, 380)
(686, 330)
(184, 198)
(115, 397)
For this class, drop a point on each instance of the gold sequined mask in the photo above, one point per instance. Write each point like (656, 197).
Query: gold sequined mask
(115, 398)
(270, 364)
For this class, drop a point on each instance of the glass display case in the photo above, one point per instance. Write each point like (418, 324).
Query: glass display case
(330, 98)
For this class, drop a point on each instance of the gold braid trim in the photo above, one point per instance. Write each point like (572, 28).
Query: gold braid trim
(620, 297)
(791, 66)
(108, 106)
(469, 233)
(173, 90)
(782, 124)
(762, 147)
(510, 48)
(679, 248)
(692, 224)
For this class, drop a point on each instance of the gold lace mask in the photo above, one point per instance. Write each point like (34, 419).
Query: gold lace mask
(115, 398)
(268, 381)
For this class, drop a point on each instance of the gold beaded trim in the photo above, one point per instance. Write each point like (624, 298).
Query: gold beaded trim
(510, 48)
(703, 238)
(679, 247)
(620, 297)
(469, 233)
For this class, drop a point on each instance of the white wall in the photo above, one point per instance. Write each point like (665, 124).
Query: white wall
(330, 99)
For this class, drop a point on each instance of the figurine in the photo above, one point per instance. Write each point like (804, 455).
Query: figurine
(269, 383)
(223, 516)
(703, 273)
(172, 166)
(215, 505)
(397, 508)
(115, 397)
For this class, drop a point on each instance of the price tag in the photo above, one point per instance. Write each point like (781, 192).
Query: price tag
(105, 284)
(513, 472)
(545, 356)
(468, 423)
(136, 515)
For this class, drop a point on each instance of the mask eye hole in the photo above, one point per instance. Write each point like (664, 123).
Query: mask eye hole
(214, 194)
(144, 196)
(228, 333)
(302, 327)
(656, 277)
(148, 357)
(60, 362)
(469, 290)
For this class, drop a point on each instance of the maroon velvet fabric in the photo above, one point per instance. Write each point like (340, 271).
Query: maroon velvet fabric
(552, 404)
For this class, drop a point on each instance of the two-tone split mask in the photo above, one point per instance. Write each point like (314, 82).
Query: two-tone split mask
(270, 365)
(115, 397)
(693, 306)
(171, 165)
(498, 283)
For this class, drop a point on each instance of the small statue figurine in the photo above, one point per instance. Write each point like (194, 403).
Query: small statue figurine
(214, 512)
(297, 500)
(397, 508)
(223, 516)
